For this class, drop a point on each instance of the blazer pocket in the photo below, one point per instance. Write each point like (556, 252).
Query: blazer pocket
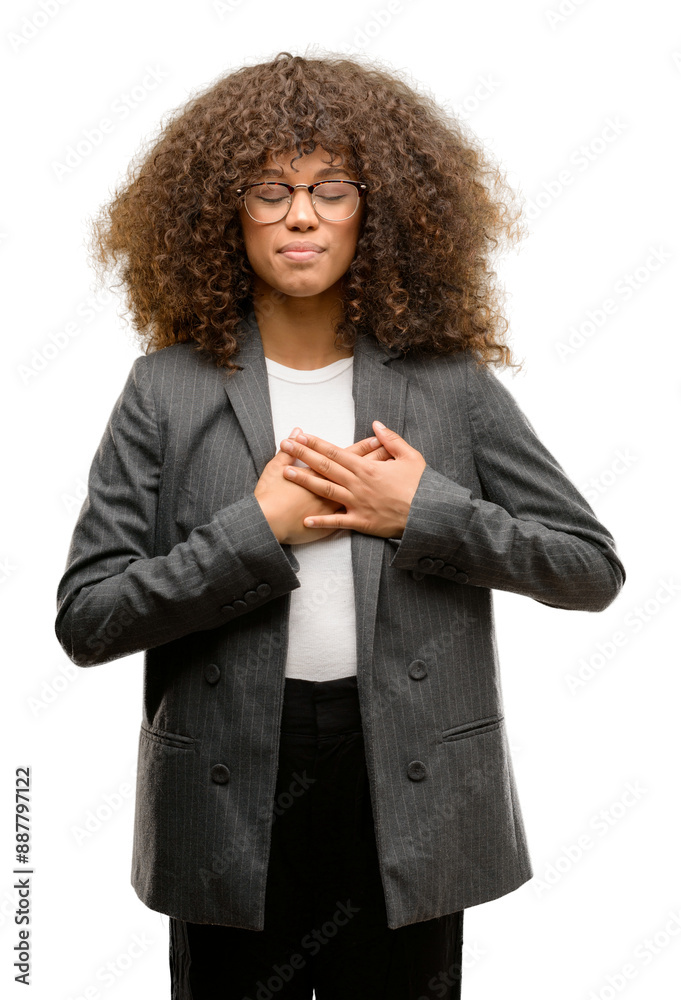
(167, 739)
(474, 728)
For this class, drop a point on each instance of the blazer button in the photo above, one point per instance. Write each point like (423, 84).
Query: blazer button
(417, 770)
(426, 563)
(211, 672)
(240, 606)
(219, 773)
(438, 564)
(460, 577)
(228, 609)
(250, 596)
(417, 669)
(416, 575)
(449, 572)
(264, 589)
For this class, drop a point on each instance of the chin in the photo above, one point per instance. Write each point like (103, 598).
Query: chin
(304, 291)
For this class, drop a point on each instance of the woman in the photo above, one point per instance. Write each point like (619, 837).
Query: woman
(324, 778)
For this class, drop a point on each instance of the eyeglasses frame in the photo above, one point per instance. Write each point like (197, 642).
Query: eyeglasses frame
(359, 185)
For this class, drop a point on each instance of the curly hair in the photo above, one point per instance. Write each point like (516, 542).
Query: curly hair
(437, 210)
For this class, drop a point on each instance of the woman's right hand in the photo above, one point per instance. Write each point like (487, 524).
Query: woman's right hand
(285, 503)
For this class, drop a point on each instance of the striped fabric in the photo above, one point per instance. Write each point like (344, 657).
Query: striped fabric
(171, 554)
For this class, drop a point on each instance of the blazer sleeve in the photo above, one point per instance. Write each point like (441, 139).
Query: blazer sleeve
(116, 597)
(532, 532)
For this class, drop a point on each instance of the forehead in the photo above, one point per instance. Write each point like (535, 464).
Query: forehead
(320, 161)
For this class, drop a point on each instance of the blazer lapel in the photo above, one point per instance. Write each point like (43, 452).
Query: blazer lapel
(379, 393)
(249, 394)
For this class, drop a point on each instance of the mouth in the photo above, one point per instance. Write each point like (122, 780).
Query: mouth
(301, 254)
(301, 251)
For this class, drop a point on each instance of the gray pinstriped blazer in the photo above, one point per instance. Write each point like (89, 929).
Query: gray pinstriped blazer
(172, 554)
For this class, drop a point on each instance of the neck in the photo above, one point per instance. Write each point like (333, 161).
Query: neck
(299, 331)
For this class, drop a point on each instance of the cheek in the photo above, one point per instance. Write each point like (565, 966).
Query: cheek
(251, 233)
(256, 245)
(348, 243)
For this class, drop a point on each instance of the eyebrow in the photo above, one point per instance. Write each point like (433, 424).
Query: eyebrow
(320, 173)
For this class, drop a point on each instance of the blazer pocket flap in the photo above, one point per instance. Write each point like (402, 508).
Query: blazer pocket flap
(474, 728)
(167, 739)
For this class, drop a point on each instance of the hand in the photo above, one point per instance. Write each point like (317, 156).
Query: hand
(285, 503)
(376, 495)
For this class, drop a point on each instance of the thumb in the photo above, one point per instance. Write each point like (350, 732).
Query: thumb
(391, 441)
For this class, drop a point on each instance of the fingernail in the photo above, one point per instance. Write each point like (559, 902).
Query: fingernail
(296, 430)
(377, 423)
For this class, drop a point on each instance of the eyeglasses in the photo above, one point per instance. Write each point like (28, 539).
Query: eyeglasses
(333, 201)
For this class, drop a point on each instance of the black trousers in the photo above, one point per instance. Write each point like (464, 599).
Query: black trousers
(325, 918)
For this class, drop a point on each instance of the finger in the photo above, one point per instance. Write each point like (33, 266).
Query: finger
(283, 456)
(319, 485)
(337, 464)
(364, 447)
(331, 521)
(392, 441)
(359, 447)
(369, 447)
(377, 455)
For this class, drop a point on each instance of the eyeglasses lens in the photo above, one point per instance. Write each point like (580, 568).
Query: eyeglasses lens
(333, 200)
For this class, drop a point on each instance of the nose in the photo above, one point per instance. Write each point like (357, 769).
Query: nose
(301, 214)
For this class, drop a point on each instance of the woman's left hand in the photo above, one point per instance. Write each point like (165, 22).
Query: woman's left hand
(376, 495)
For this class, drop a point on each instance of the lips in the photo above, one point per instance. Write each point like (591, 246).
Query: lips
(301, 246)
(301, 251)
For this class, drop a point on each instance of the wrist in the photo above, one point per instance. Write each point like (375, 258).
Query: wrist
(271, 518)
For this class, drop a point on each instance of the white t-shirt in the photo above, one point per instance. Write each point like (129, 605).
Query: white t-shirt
(322, 640)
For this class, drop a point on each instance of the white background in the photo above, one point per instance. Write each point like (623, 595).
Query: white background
(537, 85)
